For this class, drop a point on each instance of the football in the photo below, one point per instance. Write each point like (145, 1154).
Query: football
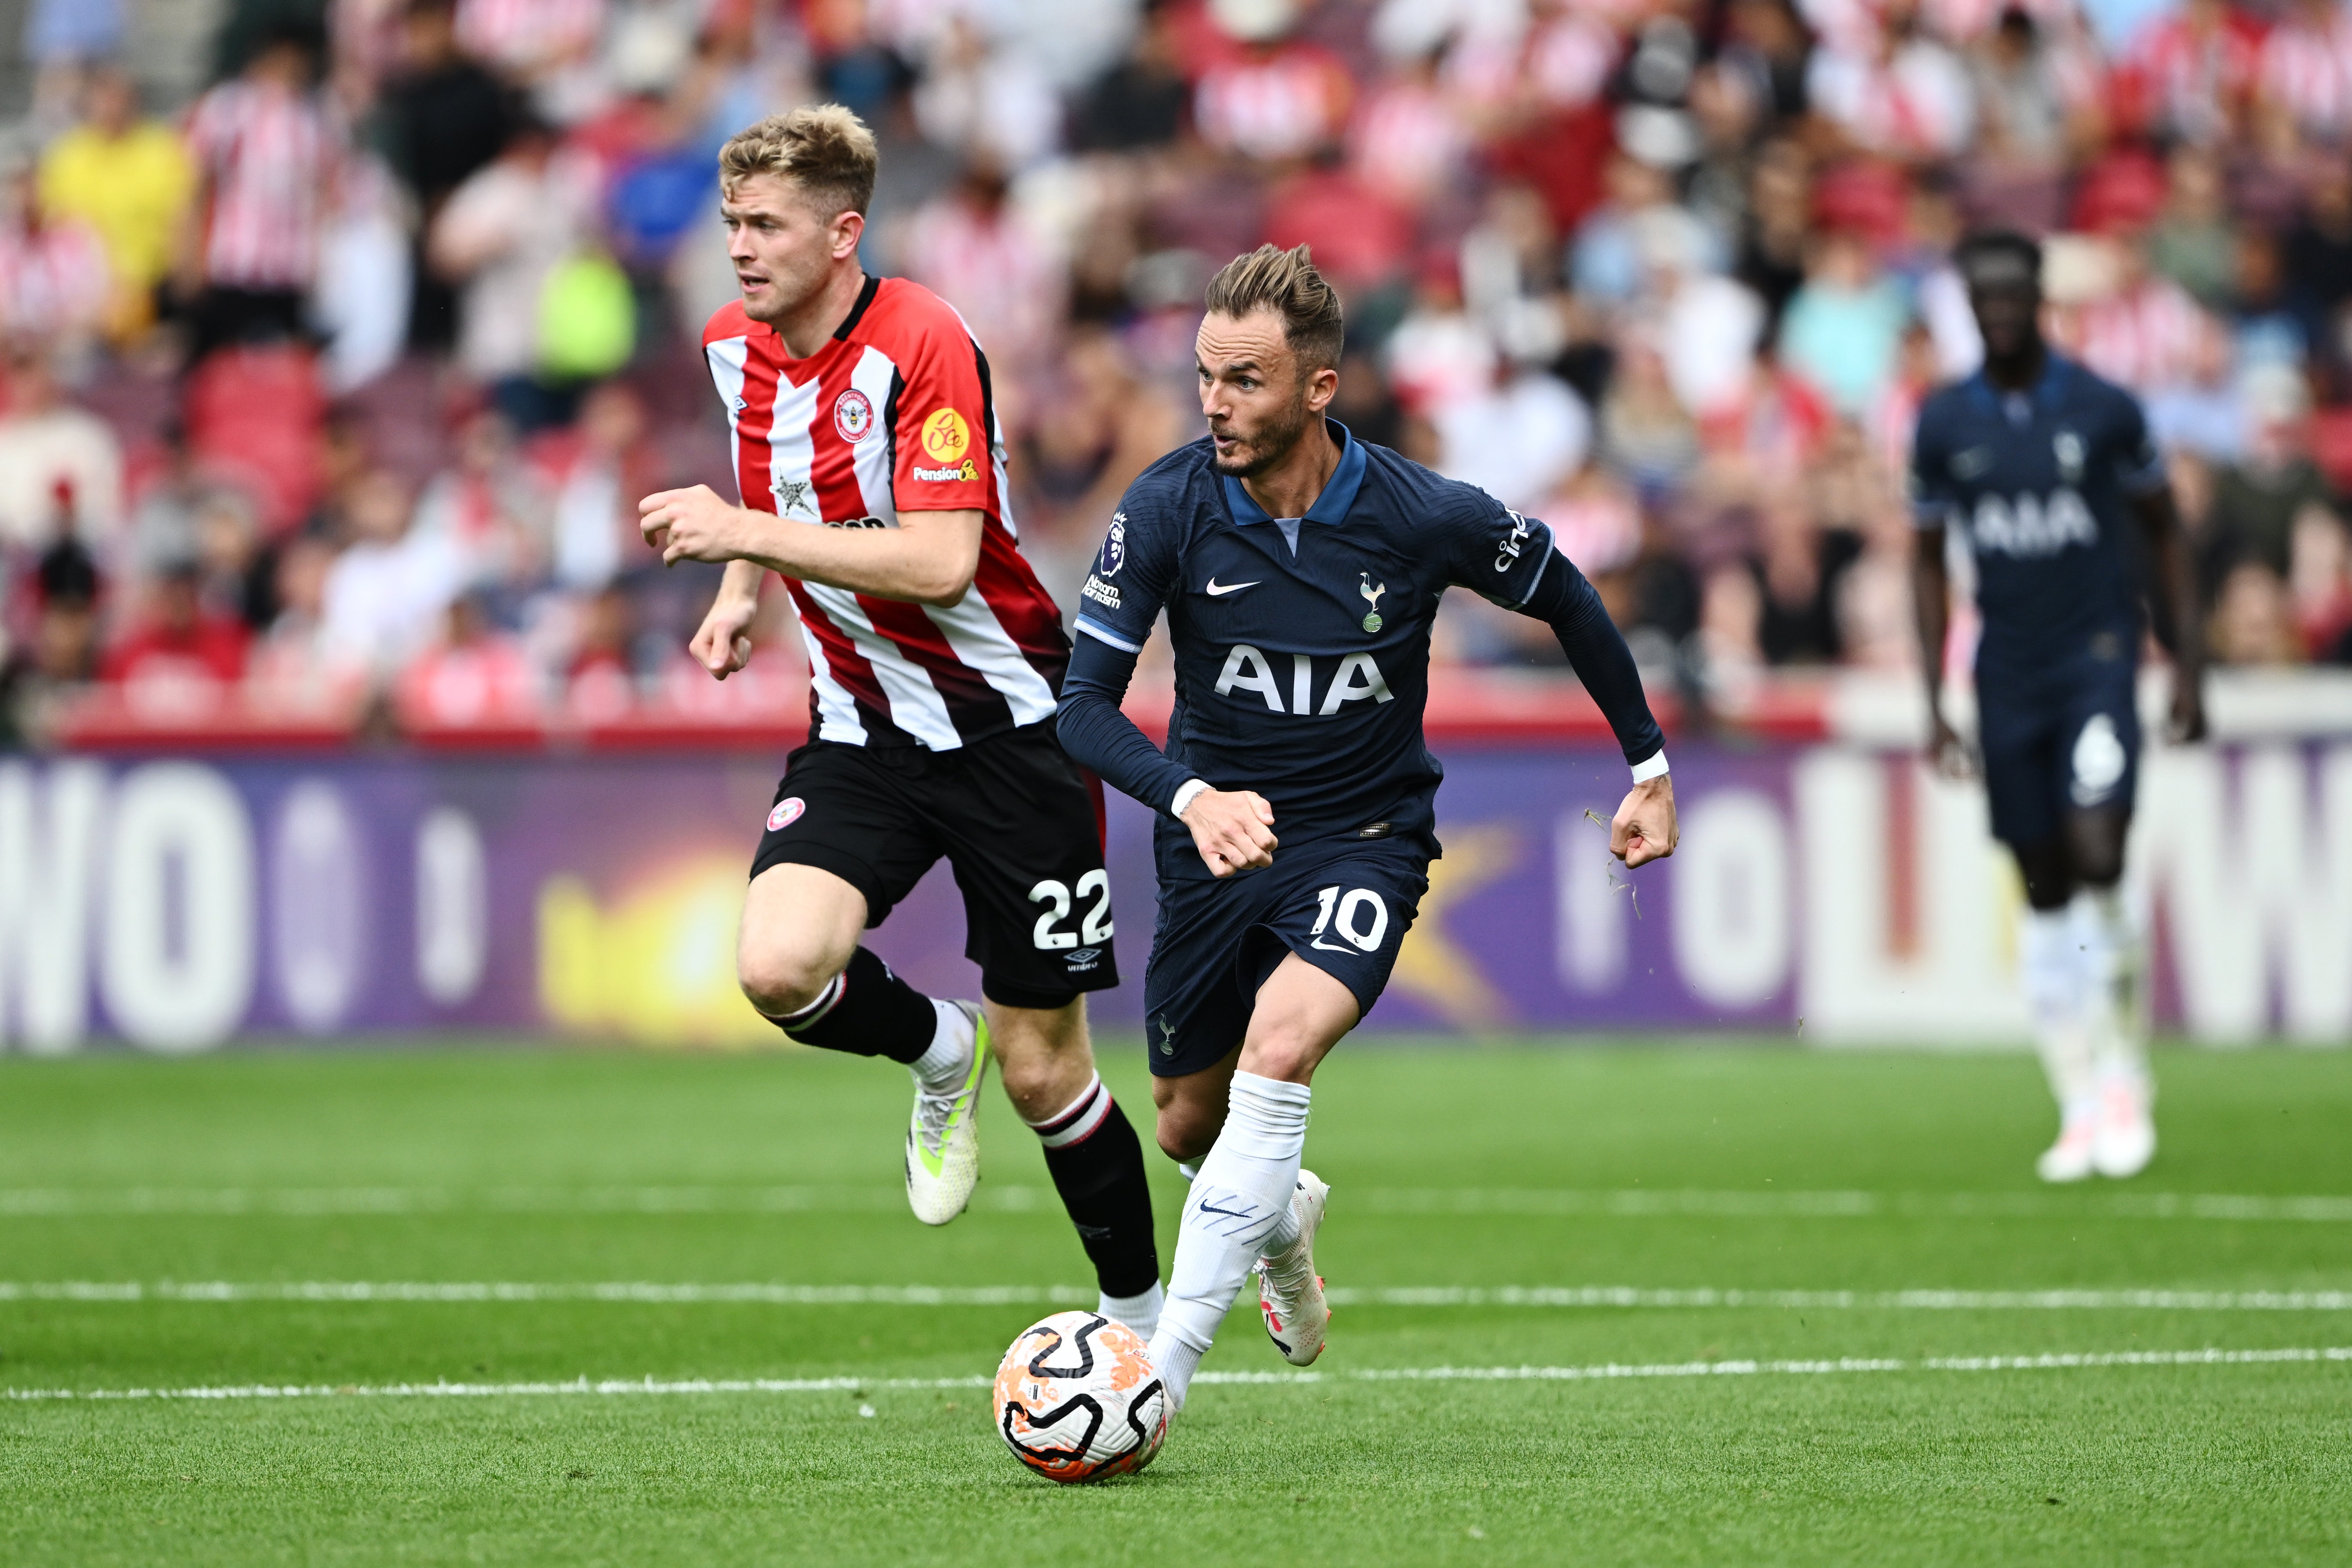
(1078, 1399)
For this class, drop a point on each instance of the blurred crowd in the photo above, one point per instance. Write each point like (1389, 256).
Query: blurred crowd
(331, 389)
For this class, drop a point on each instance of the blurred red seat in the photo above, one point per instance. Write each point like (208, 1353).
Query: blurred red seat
(254, 415)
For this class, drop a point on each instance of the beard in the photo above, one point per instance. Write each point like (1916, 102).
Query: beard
(1263, 447)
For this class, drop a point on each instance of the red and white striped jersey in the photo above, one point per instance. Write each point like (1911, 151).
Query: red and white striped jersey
(894, 414)
(271, 156)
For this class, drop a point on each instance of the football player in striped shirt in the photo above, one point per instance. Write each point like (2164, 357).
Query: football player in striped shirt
(871, 467)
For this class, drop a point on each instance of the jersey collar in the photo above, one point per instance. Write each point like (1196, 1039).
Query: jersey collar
(1338, 490)
(2055, 372)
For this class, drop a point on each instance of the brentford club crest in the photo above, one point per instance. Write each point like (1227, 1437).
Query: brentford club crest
(787, 812)
(853, 415)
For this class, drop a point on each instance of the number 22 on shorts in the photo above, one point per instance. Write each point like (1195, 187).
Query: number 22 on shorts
(1345, 915)
(1097, 926)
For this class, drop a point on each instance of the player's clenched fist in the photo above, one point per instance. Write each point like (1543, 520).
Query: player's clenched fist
(1232, 829)
(723, 645)
(1644, 829)
(691, 524)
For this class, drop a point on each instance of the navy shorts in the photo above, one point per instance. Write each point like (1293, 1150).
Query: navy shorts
(2062, 739)
(1341, 904)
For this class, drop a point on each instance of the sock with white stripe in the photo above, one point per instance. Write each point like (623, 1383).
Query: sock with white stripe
(1097, 1164)
(1238, 1208)
(867, 1011)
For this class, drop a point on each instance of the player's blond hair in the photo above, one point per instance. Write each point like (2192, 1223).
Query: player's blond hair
(822, 148)
(1285, 282)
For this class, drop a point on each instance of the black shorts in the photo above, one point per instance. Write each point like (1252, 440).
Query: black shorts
(2066, 739)
(1019, 823)
(1341, 904)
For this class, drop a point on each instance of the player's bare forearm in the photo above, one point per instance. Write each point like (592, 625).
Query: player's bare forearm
(930, 558)
(1644, 828)
(1931, 598)
(1232, 829)
(2169, 547)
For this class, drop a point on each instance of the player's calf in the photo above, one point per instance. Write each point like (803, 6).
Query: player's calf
(1091, 1151)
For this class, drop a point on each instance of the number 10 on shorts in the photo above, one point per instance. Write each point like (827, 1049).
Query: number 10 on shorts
(1347, 917)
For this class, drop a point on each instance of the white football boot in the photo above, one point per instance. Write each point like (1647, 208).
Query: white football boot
(943, 1138)
(2074, 1157)
(2124, 1134)
(1289, 1292)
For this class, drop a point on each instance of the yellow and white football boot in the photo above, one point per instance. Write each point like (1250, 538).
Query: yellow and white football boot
(943, 1136)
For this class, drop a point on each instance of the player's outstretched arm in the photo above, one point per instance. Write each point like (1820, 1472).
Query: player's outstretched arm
(1232, 829)
(1644, 828)
(930, 558)
(2176, 580)
(1931, 599)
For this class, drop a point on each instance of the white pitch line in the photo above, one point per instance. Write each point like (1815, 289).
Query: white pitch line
(1604, 1372)
(1531, 1202)
(755, 1293)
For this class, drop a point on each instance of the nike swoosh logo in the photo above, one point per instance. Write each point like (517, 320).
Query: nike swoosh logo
(1218, 591)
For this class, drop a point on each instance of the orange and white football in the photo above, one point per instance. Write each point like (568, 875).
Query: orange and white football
(1078, 1398)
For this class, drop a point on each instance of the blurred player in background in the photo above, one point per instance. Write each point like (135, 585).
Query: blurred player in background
(871, 467)
(1299, 568)
(2041, 467)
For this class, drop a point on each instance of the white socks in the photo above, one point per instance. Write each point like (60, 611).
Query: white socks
(2106, 943)
(2080, 966)
(1239, 1208)
(1140, 1313)
(941, 1070)
(2050, 965)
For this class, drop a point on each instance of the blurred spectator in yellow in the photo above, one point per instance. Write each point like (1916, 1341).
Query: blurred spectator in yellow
(60, 467)
(130, 180)
(267, 155)
(54, 277)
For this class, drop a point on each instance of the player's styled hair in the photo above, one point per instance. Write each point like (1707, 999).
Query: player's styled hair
(821, 147)
(1285, 282)
(1998, 255)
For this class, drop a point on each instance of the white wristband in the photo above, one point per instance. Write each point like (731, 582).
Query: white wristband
(1186, 793)
(1651, 766)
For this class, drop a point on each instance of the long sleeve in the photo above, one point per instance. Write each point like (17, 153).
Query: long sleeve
(1566, 600)
(1098, 736)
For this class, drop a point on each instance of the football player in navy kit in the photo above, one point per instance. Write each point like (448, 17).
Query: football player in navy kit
(2043, 471)
(1299, 568)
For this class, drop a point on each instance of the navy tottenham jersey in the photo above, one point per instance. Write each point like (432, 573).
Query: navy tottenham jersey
(1302, 645)
(2038, 484)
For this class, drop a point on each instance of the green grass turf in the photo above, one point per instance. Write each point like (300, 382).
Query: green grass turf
(2119, 1464)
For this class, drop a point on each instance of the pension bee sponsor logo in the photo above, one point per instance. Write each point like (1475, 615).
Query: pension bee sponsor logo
(946, 437)
(967, 470)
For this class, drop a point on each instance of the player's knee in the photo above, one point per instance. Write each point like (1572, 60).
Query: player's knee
(1284, 1050)
(780, 980)
(1187, 1130)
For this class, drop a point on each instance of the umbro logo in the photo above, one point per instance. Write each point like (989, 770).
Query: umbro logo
(1216, 590)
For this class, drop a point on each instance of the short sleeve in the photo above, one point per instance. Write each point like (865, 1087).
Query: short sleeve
(2139, 467)
(940, 454)
(1497, 553)
(1132, 574)
(1934, 498)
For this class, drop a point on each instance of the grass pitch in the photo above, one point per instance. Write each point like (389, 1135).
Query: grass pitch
(1760, 1287)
